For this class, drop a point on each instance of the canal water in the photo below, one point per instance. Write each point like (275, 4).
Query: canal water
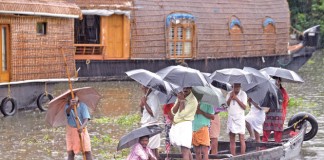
(27, 136)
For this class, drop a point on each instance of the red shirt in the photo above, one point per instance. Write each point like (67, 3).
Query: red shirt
(167, 108)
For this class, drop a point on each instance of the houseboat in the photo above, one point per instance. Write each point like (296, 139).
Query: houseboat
(117, 36)
(35, 34)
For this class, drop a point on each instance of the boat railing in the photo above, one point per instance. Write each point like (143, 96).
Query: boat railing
(84, 51)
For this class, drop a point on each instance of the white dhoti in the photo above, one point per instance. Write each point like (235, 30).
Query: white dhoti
(181, 134)
(236, 124)
(256, 119)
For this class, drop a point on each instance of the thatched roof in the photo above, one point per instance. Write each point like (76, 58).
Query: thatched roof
(53, 8)
(104, 4)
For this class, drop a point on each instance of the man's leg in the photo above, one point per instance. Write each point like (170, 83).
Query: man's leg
(232, 143)
(198, 152)
(249, 128)
(214, 145)
(257, 136)
(88, 155)
(242, 141)
(70, 155)
(186, 154)
(204, 150)
(156, 153)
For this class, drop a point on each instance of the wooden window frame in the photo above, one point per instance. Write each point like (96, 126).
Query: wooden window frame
(44, 30)
(239, 25)
(6, 75)
(269, 24)
(175, 40)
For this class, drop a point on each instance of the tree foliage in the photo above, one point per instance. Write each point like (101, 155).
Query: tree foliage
(307, 13)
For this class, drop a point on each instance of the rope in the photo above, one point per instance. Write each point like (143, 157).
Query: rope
(296, 123)
(46, 93)
(9, 90)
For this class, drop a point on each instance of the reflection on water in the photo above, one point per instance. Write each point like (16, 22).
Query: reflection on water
(26, 136)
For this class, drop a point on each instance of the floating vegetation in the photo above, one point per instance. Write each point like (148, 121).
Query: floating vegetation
(124, 120)
(223, 114)
(103, 140)
(297, 102)
(310, 62)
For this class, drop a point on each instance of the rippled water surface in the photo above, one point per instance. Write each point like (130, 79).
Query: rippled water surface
(26, 135)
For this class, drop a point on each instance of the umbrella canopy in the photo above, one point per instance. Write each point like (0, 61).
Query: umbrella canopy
(222, 85)
(183, 76)
(150, 80)
(232, 75)
(286, 75)
(55, 115)
(263, 91)
(165, 98)
(209, 94)
(132, 137)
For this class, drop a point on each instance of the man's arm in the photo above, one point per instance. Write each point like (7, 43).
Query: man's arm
(148, 109)
(175, 107)
(207, 115)
(71, 106)
(255, 104)
(241, 104)
(229, 98)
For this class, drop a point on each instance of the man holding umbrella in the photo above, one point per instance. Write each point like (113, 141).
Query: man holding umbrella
(151, 111)
(72, 138)
(237, 102)
(184, 112)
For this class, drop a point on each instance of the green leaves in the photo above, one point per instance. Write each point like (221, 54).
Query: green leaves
(307, 13)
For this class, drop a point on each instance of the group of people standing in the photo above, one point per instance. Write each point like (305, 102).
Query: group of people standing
(258, 121)
(191, 123)
(188, 123)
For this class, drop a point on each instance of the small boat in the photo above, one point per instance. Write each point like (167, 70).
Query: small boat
(292, 141)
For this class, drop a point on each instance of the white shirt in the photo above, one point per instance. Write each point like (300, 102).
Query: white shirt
(154, 103)
(234, 108)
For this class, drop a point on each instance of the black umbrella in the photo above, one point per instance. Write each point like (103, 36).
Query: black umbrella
(286, 75)
(133, 137)
(222, 85)
(183, 76)
(263, 91)
(232, 75)
(150, 80)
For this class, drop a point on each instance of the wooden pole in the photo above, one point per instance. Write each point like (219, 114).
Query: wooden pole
(74, 106)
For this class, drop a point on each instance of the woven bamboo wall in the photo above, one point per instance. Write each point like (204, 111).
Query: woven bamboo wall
(212, 20)
(36, 56)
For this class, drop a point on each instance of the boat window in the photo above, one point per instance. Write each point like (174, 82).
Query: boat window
(269, 35)
(181, 31)
(102, 37)
(41, 28)
(235, 26)
(87, 30)
(269, 25)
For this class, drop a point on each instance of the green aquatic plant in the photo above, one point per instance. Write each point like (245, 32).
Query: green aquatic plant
(223, 114)
(309, 62)
(128, 120)
(121, 155)
(103, 140)
(294, 102)
(102, 120)
(123, 120)
(297, 102)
